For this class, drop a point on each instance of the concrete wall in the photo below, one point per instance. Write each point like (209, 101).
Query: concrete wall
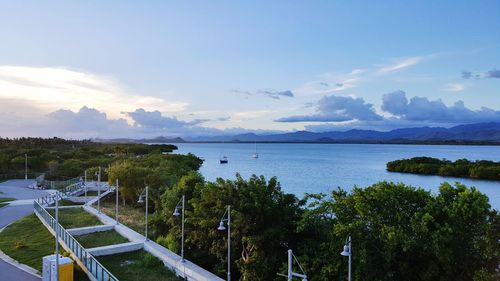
(115, 249)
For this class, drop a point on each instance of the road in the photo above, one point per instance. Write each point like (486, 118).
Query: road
(8, 214)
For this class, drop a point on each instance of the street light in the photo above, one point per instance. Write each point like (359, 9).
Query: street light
(140, 201)
(85, 186)
(291, 274)
(98, 174)
(57, 237)
(116, 203)
(25, 166)
(222, 227)
(347, 252)
(176, 214)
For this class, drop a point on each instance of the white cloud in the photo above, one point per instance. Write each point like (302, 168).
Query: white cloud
(454, 87)
(400, 65)
(333, 82)
(337, 109)
(52, 88)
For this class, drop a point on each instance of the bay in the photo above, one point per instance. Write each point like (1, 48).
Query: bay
(314, 168)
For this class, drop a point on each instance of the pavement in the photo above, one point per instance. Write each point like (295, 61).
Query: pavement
(16, 210)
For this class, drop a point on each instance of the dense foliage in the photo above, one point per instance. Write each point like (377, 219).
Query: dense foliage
(399, 232)
(461, 168)
(157, 171)
(63, 159)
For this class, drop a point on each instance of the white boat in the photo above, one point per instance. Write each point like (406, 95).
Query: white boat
(255, 154)
(223, 159)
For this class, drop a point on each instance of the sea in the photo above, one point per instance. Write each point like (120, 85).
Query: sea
(314, 168)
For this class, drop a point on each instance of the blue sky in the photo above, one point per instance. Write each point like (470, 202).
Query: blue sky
(148, 68)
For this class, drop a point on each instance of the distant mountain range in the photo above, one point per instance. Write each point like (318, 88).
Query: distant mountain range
(470, 133)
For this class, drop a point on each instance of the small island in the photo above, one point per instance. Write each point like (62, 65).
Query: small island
(463, 168)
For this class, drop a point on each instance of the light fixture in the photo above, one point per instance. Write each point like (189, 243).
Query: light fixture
(176, 212)
(140, 201)
(221, 227)
(346, 252)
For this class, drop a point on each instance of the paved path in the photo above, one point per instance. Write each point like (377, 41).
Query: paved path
(8, 214)
(9, 272)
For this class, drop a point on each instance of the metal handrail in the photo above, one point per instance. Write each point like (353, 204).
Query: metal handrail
(88, 260)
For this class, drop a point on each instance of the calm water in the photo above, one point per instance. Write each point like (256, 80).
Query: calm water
(316, 168)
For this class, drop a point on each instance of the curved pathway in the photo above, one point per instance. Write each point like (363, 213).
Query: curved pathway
(18, 209)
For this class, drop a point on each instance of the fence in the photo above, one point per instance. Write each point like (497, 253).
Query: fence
(67, 191)
(59, 184)
(98, 271)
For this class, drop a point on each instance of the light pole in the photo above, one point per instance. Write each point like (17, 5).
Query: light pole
(116, 204)
(347, 252)
(99, 190)
(290, 274)
(57, 237)
(222, 227)
(141, 200)
(25, 166)
(176, 214)
(85, 185)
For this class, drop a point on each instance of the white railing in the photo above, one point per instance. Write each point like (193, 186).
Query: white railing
(98, 271)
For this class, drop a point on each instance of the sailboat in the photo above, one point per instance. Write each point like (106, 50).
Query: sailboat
(223, 159)
(255, 154)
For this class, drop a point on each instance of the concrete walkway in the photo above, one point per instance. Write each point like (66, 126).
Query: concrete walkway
(8, 272)
(173, 261)
(24, 206)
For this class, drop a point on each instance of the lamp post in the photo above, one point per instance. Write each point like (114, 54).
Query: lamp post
(99, 190)
(140, 201)
(222, 227)
(181, 202)
(57, 237)
(290, 274)
(25, 166)
(347, 252)
(85, 185)
(116, 204)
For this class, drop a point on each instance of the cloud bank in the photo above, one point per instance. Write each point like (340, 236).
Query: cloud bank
(402, 111)
(337, 109)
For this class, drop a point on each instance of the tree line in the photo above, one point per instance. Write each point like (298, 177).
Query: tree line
(481, 169)
(63, 159)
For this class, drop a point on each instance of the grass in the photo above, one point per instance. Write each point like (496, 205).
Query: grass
(3, 201)
(137, 266)
(130, 216)
(75, 217)
(98, 239)
(65, 202)
(27, 241)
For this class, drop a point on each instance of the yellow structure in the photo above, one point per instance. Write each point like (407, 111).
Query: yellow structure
(66, 270)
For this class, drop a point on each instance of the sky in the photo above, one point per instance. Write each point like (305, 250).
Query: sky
(109, 69)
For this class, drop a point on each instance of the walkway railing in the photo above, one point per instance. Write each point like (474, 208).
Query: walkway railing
(98, 271)
(67, 191)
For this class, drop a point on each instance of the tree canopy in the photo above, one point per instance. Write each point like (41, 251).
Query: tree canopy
(481, 169)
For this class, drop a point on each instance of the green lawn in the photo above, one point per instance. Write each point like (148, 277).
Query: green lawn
(3, 201)
(75, 217)
(128, 215)
(65, 202)
(99, 239)
(137, 266)
(27, 241)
